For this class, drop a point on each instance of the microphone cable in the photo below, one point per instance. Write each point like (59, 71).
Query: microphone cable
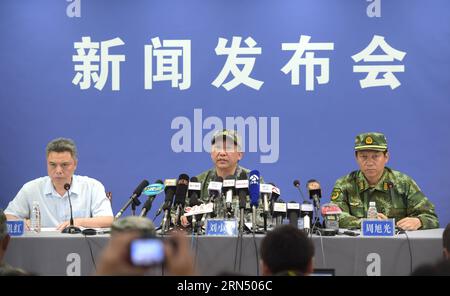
(316, 219)
(90, 251)
(321, 244)
(410, 251)
(196, 246)
(256, 250)
(238, 247)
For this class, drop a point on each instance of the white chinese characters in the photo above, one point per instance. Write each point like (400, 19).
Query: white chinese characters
(231, 65)
(372, 71)
(89, 68)
(167, 57)
(170, 60)
(309, 61)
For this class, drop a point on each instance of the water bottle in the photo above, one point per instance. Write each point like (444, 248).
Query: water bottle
(35, 217)
(372, 211)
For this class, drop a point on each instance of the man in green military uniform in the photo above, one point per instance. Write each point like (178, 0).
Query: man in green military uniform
(226, 152)
(396, 195)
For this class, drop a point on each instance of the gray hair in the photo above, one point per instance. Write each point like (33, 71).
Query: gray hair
(62, 145)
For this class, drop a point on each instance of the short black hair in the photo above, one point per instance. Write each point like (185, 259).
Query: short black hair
(287, 248)
(446, 238)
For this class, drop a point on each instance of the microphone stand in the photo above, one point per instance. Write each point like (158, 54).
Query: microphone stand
(254, 219)
(71, 228)
(134, 201)
(147, 206)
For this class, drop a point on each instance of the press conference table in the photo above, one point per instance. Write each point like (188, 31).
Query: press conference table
(52, 253)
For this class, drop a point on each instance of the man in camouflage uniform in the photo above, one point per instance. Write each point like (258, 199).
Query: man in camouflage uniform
(396, 194)
(226, 152)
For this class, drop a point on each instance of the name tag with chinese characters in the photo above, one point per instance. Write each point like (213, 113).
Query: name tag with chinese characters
(222, 227)
(376, 228)
(15, 228)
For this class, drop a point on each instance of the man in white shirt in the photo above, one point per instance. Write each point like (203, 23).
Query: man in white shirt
(91, 207)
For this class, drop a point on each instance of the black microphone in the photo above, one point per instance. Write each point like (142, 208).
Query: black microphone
(215, 188)
(133, 198)
(180, 196)
(215, 191)
(315, 193)
(228, 186)
(297, 185)
(71, 228)
(148, 203)
(293, 211)
(194, 190)
(242, 192)
(266, 192)
(170, 193)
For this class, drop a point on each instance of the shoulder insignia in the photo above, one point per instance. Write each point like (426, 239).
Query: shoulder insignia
(335, 194)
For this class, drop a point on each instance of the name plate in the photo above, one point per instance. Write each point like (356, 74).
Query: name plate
(222, 227)
(15, 228)
(377, 228)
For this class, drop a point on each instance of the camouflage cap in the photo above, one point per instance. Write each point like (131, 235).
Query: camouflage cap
(226, 133)
(3, 226)
(371, 141)
(134, 223)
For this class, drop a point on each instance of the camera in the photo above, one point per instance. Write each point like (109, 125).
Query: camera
(146, 252)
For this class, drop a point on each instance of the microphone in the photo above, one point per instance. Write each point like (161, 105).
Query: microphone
(194, 190)
(151, 191)
(331, 213)
(266, 191)
(133, 199)
(315, 193)
(71, 228)
(306, 213)
(215, 190)
(297, 185)
(279, 211)
(242, 191)
(253, 189)
(180, 196)
(168, 200)
(275, 192)
(293, 211)
(228, 186)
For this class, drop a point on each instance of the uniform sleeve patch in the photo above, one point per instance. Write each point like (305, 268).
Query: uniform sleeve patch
(335, 193)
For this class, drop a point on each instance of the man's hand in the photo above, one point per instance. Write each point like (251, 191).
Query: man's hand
(115, 258)
(179, 259)
(409, 223)
(76, 222)
(381, 216)
(184, 221)
(27, 223)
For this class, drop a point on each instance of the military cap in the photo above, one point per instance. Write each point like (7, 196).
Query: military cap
(134, 223)
(371, 141)
(226, 133)
(3, 226)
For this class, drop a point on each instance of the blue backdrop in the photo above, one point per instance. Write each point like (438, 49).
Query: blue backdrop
(126, 135)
